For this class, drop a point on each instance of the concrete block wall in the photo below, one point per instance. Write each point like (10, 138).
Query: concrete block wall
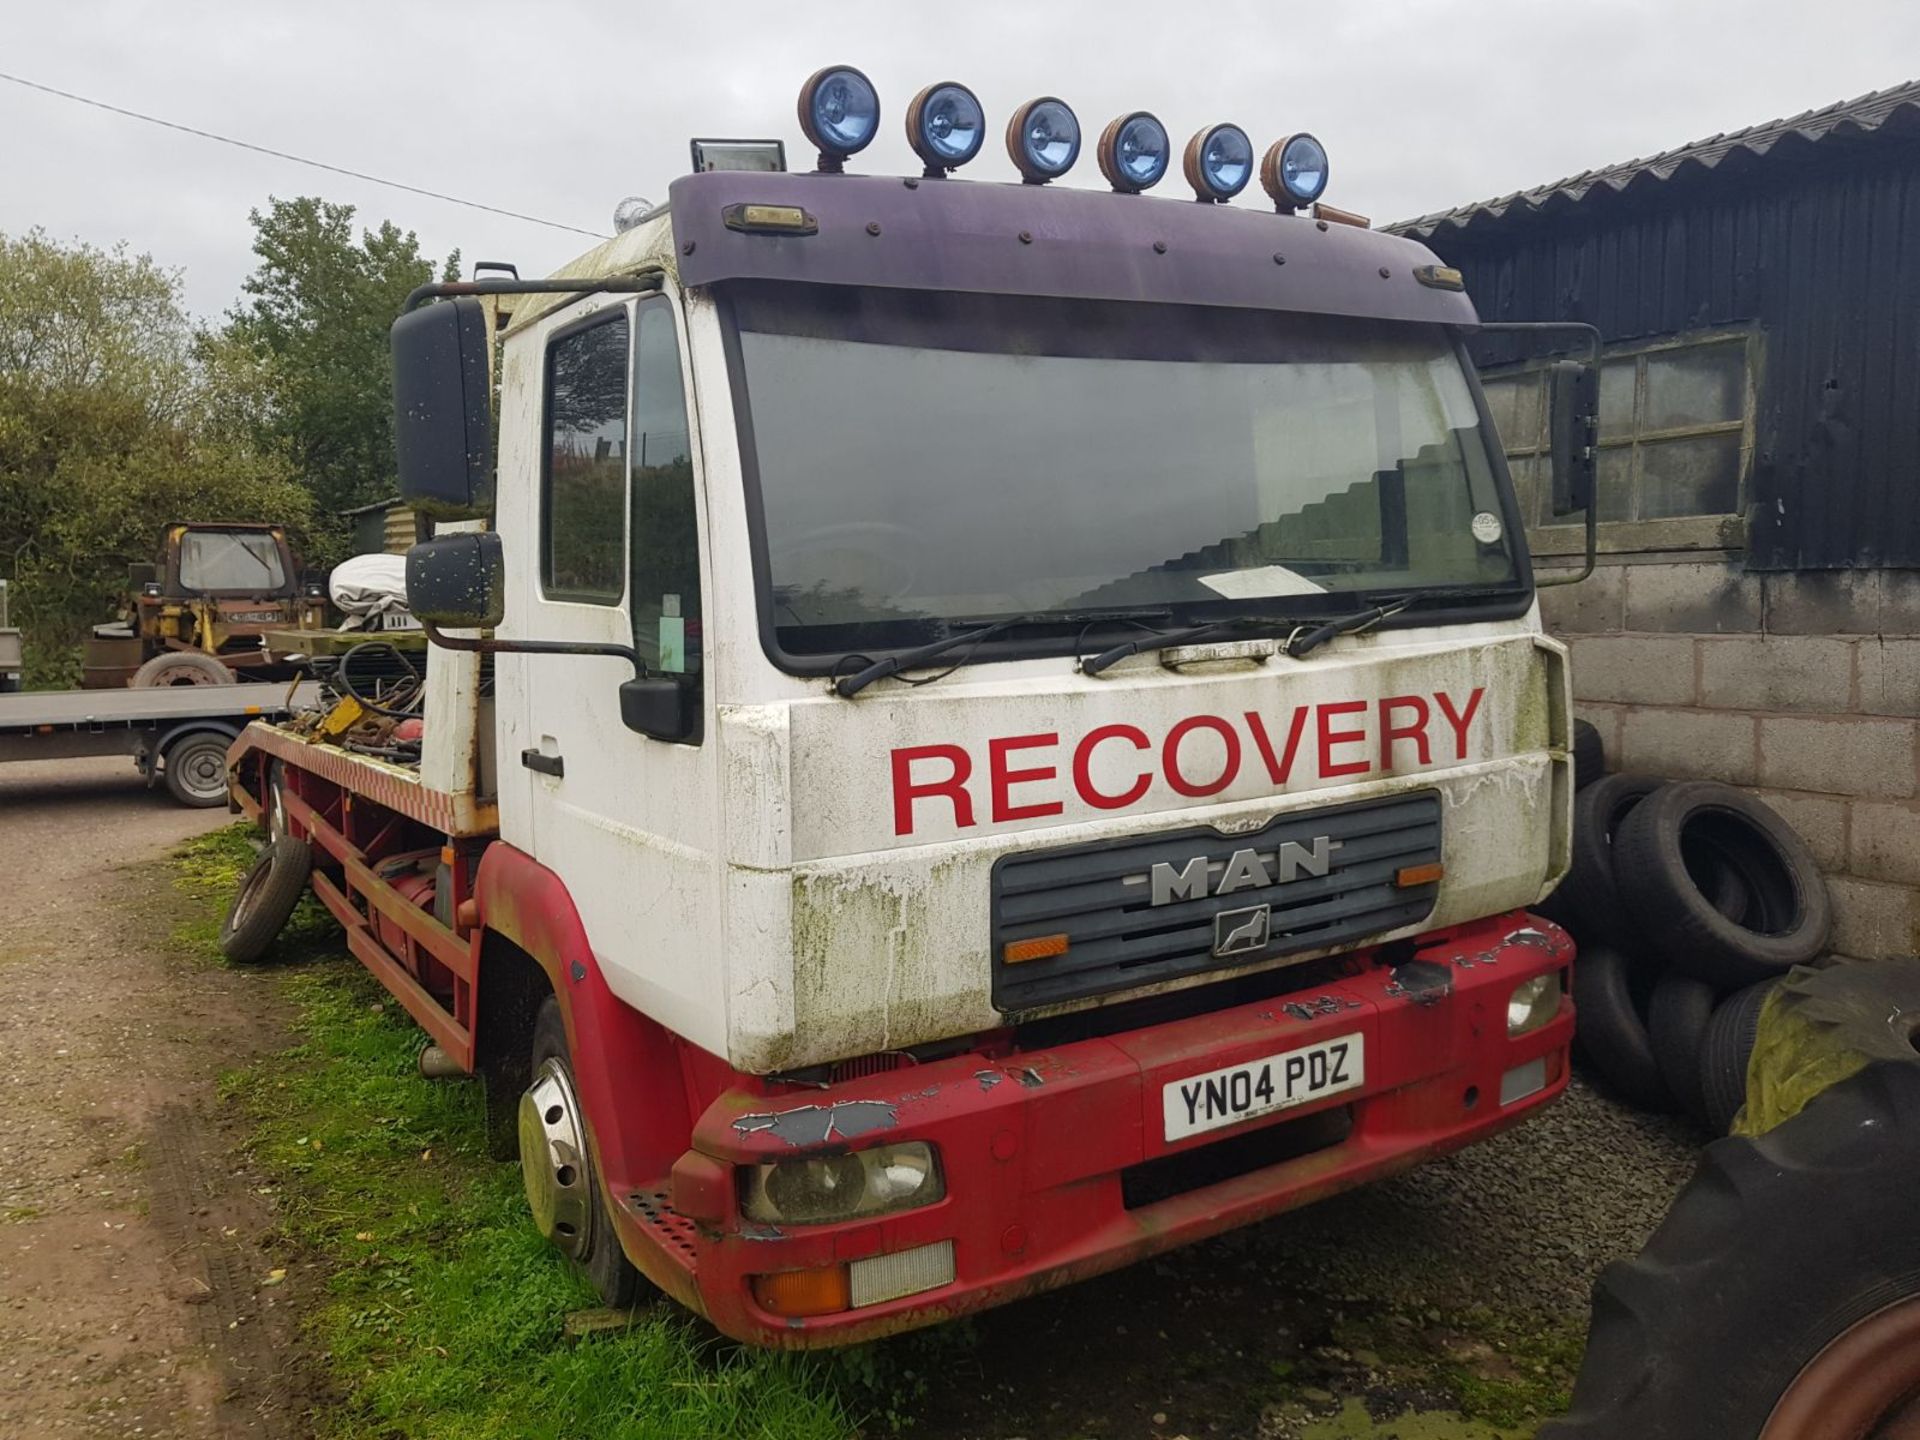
(1803, 688)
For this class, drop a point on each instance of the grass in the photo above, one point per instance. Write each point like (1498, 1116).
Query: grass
(442, 1310)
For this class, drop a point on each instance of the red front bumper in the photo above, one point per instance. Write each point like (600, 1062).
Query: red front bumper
(1034, 1146)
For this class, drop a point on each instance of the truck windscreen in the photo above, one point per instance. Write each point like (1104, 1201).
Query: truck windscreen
(213, 560)
(920, 461)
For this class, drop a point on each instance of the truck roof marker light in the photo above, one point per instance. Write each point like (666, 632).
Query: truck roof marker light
(839, 115)
(1294, 172)
(1219, 163)
(1440, 277)
(1134, 153)
(1040, 947)
(1043, 140)
(946, 127)
(1325, 213)
(751, 219)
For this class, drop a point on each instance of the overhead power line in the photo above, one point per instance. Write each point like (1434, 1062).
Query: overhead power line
(296, 159)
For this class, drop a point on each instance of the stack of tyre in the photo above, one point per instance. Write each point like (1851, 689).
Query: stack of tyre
(1689, 901)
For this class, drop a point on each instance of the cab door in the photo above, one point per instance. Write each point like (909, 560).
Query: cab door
(608, 496)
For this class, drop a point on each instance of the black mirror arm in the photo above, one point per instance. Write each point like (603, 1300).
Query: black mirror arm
(1592, 334)
(490, 646)
(624, 284)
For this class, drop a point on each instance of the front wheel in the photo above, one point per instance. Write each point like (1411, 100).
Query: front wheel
(556, 1166)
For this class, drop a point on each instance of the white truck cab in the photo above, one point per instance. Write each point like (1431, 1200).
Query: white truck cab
(1023, 730)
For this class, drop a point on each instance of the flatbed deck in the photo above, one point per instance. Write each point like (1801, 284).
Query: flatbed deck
(32, 712)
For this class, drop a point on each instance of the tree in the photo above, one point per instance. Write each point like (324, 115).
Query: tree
(115, 418)
(316, 320)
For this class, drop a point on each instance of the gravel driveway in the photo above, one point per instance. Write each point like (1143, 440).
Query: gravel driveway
(132, 1299)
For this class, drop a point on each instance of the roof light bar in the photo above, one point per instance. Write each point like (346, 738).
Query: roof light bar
(839, 114)
(946, 127)
(1219, 163)
(1134, 152)
(1043, 140)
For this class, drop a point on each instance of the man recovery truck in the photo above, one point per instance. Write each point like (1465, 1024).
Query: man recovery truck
(974, 732)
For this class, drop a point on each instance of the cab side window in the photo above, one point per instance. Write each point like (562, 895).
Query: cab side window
(665, 570)
(583, 490)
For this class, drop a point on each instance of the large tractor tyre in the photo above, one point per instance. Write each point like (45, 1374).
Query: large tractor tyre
(1589, 755)
(1589, 891)
(1780, 1298)
(1726, 1047)
(1661, 848)
(558, 1170)
(181, 667)
(1677, 1021)
(268, 893)
(195, 769)
(1611, 1031)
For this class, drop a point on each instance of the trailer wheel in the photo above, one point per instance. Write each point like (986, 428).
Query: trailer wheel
(1780, 1298)
(266, 899)
(181, 667)
(196, 769)
(557, 1167)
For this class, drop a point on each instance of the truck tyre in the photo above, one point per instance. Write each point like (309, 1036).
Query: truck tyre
(1589, 888)
(557, 1167)
(181, 667)
(1611, 1031)
(1725, 1048)
(1677, 1022)
(1788, 915)
(266, 899)
(1589, 755)
(195, 767)
(1780, 1298)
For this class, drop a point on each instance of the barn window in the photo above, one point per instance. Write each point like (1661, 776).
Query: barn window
(1676, 430)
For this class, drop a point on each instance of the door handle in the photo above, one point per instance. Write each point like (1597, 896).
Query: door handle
(546, 764)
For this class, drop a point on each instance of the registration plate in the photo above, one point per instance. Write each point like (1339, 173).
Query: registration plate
(1259, 1087)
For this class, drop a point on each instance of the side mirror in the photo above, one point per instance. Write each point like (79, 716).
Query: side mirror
(458, 580)
(442, 415)
(659, 707)
(1573, 425)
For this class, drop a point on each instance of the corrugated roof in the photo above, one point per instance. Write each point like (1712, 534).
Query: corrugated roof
(1895, 110)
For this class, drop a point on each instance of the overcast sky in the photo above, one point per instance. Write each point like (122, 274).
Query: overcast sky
(559, 109)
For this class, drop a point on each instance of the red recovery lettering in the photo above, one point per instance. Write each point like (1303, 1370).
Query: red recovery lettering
(906, 790)
(1083, 767)
(1278, 770)
(1416, 732)
(1329, 737)
(1461, 721)
(1170, 755)
(1002, 780)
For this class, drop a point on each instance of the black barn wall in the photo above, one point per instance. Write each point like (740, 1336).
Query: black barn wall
(1822, 250)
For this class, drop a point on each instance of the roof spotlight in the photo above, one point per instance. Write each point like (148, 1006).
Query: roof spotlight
(945, 126)
(1134, 151)
(1219, 162)
(1043, 138)
(1294, 172)
(839, 113)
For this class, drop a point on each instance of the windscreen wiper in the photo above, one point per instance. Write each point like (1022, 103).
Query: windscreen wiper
(848, 686)
(1304, 642)
(1167, 639)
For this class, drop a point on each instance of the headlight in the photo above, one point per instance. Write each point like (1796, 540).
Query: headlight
(1219, 162)
(1294, 172)
(1533, 1003)
(1043, 140)
(1134, 151)
(945, 126)
(840, 113)
(825, 1188)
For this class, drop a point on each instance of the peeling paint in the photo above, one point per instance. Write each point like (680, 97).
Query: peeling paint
(753, 1230)
(817, 1124)
(988, 1078)
(1030, 1078)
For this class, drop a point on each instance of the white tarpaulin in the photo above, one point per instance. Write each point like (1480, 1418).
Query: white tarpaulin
(368, 587)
